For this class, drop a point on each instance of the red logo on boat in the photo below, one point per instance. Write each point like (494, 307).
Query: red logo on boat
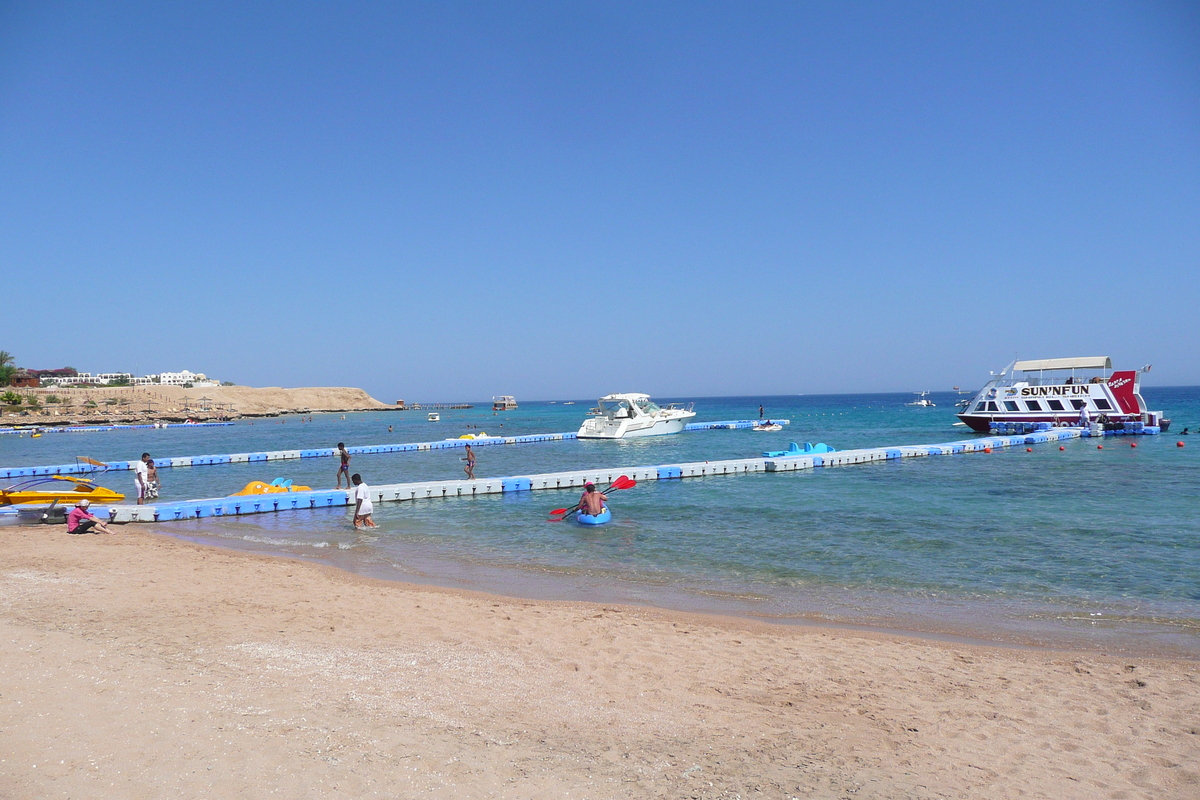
(1121, 384)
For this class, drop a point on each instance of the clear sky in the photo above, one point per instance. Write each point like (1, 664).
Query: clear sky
(446, 201)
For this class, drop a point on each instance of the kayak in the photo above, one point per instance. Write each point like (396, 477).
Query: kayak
(601, 518)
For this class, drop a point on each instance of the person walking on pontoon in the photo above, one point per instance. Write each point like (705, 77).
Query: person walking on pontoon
(344, 469)
(470, 467)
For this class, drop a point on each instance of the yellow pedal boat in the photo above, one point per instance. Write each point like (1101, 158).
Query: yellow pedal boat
(24, 493)
(276, 486)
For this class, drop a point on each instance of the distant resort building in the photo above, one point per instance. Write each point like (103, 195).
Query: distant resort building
(176, 379)
(67, 377)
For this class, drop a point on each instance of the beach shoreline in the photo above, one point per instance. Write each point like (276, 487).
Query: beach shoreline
(140, 665)
(106, 405)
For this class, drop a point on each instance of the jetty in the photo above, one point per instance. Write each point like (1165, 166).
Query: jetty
(326, 452)
(574, 479)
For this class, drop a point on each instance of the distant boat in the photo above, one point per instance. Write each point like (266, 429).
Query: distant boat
(569, 403)
(922, 401)
(434, 417)
(503, 402)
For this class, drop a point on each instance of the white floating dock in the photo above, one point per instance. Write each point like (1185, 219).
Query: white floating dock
(325, 452)
(401, 492)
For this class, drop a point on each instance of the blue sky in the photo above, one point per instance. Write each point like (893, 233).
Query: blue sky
(445, 201)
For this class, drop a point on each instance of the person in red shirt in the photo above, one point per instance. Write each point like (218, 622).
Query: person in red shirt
(80, 521)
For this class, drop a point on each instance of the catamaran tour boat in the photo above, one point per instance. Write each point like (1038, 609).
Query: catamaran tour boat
(626, 416)
(1061, 391)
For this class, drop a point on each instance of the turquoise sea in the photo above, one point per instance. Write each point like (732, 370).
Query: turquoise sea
(1080, 547)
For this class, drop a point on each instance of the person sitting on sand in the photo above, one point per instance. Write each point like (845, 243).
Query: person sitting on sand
(79, 520)
(362, 504)
(592, 502)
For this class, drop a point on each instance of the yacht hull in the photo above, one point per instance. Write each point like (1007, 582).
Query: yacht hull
(625, 431)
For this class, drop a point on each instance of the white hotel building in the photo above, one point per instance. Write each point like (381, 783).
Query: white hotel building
(182, 378)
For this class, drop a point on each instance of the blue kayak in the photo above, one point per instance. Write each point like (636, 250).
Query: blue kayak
(601, 518)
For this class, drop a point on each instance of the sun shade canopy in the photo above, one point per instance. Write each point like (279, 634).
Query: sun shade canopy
(1096, 362)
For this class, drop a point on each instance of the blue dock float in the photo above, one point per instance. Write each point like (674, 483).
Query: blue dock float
(400, 492)
(1094, 429)
(324, 452)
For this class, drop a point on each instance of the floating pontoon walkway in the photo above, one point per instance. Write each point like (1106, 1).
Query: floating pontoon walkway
(257, 504)
(284, 455)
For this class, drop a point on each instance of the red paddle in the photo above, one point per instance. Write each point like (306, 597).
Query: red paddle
(622, 482)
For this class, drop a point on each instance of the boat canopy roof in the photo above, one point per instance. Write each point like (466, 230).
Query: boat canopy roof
(627, 396)
(1094, 362)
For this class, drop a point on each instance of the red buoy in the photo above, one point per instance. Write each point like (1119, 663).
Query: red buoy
(1028, 449)
(987, 449)
(1179, 444)
(1133, 444)
(1060, 447)
(1099, 447)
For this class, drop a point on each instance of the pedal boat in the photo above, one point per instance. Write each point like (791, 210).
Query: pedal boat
(24, 493)
(277, 486)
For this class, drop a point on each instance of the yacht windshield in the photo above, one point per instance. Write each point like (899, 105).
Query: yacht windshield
(646, 406)
(615, 407)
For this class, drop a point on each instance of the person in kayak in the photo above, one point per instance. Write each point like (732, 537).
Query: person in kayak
(592, 502)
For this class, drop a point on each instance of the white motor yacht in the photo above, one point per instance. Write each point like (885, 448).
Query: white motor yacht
(922, 401)
(626, 416)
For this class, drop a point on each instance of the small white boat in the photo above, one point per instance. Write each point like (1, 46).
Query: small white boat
(434, 417)
(628, 416)
(503, 402)
(922, 401)
(768, 426)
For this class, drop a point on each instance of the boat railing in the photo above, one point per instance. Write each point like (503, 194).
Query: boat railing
(679, 407)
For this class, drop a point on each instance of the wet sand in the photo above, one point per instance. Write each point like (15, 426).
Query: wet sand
(136, 665)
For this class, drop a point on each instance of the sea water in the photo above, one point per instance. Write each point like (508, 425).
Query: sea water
(1079, 547)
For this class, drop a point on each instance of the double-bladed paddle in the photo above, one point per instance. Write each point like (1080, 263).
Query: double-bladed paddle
(622, 482)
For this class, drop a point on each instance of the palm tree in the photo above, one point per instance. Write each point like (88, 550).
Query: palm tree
(7, 367)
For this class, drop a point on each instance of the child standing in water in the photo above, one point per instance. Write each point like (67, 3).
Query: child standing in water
(152, 484)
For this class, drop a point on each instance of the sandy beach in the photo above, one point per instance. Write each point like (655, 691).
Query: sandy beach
(136, 665)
